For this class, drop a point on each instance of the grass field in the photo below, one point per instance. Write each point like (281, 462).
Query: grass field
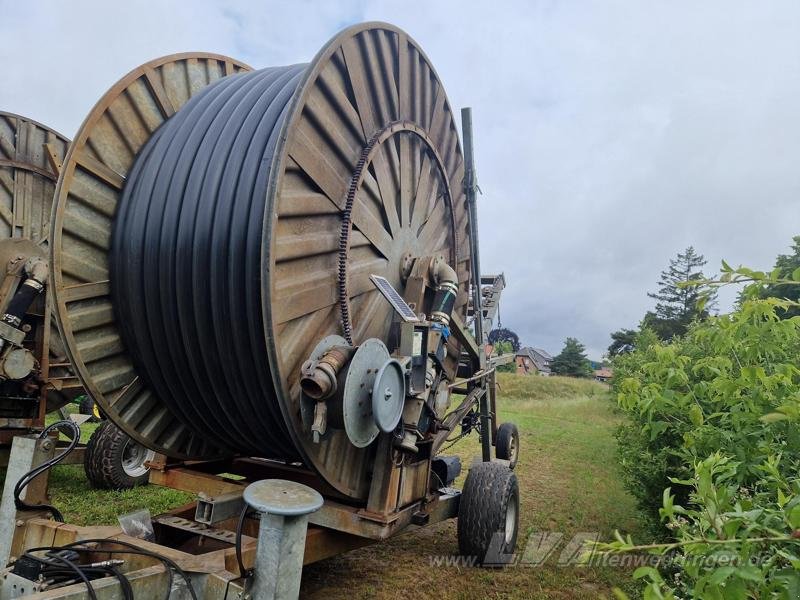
(568, 484)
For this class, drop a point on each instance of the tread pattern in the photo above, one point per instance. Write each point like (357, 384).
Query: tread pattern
(505, 433)
(86, 407)
(102, 461)
(482, 510)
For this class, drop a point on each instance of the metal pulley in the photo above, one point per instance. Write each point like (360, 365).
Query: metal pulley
(364, 396)
(388, 396)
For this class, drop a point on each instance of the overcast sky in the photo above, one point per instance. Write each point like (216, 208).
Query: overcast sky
(610, 135)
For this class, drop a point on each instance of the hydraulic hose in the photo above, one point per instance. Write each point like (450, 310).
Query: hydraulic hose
(186, 261)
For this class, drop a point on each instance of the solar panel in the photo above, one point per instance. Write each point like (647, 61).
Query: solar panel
(396, 300)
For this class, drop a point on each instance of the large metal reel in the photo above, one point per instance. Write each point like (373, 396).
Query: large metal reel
(369, 128)
(29, 153)
(371, 83)
(86, 197)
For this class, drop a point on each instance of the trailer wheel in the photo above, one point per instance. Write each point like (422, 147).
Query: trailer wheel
(488, 514)
(88, 406)
(114, 461)
(507, 444)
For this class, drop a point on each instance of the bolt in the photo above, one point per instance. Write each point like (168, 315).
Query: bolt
(20, 523)
(47, 445)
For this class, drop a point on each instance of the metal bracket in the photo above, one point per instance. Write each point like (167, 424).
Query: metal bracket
(215, 510)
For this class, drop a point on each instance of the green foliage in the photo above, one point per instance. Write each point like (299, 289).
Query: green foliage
(503, 334)
(713, 445)
(572, 360)
(505, 347)
(622, 342)
(677, 303)
(787, 266)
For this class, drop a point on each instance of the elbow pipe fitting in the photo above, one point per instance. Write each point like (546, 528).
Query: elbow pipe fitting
(319, 378)
(446, 281)
(36, 269)
(443, 274)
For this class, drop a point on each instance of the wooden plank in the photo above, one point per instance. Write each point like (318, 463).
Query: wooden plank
(373, 230)
(317, 165)
(195, 482)
(159, 93)
(98, 169)
(84, 291)
(361, 90)
(388, 189)
(422, 194)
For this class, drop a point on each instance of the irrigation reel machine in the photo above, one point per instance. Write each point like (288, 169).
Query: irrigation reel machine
(271, 274)
(35, 374)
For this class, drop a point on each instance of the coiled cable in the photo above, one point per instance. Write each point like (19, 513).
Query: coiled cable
(186, 261)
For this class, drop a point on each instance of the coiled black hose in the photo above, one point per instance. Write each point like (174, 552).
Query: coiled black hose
(186, 261)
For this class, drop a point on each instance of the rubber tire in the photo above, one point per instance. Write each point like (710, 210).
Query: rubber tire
(87, 407)
(507, 434)
(485, 498)
(102, 461)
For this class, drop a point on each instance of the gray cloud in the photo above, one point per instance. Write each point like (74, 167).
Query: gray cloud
(610, 135)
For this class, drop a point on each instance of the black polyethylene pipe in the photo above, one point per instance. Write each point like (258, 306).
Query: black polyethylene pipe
(186, 261)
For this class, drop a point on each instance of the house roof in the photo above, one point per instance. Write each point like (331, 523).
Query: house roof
(540, 358)
(604, 373)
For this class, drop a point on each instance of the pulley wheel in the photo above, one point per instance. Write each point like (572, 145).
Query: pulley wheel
(357, 397)
(388, 396)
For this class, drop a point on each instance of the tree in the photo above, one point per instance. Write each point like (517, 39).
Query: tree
(677, 305)
(787, 264)
(505, 347)
(622, 342)
(504, 335)
(572, 360)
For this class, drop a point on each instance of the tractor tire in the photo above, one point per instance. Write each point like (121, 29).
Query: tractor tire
(507, 444)
(488, 514)
(114, 461)
(87, 406)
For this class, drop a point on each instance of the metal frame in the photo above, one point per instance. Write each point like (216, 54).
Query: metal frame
(31, 155)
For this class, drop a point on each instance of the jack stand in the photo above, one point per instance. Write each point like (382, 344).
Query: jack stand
(284, 507)
(27, 453)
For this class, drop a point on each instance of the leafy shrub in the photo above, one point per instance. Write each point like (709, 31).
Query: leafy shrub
(713, 446)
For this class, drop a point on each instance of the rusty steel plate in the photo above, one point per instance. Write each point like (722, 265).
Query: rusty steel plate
(369, 134)
(30, 154)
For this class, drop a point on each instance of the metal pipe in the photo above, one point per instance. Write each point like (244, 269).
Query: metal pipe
(471, 189)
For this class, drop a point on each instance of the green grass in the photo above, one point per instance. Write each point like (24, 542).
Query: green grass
(82, 505)
(568, 483)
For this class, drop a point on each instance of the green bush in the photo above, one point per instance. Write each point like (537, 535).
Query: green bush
(712, 450)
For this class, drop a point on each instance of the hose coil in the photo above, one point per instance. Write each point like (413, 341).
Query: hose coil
(186, 261)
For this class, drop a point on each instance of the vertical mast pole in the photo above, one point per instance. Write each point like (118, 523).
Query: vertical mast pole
(471, 190)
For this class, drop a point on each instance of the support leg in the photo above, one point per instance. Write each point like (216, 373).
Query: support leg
(284, 507)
